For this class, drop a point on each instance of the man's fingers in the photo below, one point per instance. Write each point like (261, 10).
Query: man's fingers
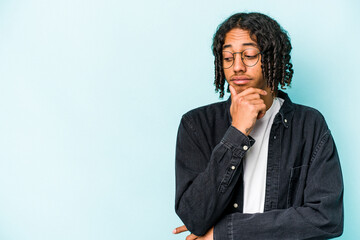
(262, 112)
(256, 101)
(252, 90)
(180, 229)
(183, 229)
(251, 96)
(191, 237)
(248, 93)
(232, 91)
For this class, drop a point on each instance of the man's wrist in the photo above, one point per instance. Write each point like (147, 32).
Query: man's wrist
(245, 131)
(237, 140)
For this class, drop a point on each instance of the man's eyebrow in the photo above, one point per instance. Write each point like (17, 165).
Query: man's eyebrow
(250, 44)
(244, 44)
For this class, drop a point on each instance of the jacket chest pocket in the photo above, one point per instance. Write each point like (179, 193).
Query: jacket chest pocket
(297, 184)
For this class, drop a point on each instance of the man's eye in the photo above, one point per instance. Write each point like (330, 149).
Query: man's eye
(250, 56)
(228, 59)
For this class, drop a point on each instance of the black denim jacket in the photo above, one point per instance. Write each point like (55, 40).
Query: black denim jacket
(304, 187)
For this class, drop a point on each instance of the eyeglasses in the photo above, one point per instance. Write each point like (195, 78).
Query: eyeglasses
(249, 57)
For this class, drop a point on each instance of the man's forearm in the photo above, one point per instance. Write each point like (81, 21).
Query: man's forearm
(203, 194)
(291, 223)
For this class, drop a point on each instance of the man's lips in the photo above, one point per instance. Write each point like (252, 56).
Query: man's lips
(239, 80)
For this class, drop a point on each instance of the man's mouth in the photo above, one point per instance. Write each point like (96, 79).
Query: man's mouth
(240, 80)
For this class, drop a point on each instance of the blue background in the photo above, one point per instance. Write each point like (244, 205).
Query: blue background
(92, 92)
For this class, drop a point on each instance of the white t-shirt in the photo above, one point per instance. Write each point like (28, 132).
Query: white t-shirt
(255, 161)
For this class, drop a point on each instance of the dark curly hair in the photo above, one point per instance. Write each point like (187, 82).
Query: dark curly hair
(274, 44)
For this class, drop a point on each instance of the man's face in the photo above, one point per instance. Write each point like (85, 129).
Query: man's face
(239, 75)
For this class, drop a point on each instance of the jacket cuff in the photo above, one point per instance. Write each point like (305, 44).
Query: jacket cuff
(222, 230)
(236, 141)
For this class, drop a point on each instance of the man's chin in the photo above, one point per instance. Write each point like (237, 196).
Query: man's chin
(240, 88)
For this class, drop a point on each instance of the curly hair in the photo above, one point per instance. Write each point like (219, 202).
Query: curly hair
(274, 45)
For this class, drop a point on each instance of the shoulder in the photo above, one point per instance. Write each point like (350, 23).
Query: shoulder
(206, 113)
(299, 112)
(208, 122)
(310, 119)
(304, 120)
(308, 113)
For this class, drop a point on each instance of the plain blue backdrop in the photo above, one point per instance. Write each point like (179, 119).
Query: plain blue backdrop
(92, 92)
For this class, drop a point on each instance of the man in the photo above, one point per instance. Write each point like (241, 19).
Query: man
(256, 166)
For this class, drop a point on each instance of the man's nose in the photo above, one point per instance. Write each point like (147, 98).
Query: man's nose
(238, 64)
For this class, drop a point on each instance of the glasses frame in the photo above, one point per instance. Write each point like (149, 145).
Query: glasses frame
(242, 57)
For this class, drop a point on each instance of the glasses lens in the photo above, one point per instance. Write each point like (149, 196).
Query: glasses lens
(250, 57)
(228, 59)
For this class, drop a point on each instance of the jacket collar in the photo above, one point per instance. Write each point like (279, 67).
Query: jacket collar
(287, 109)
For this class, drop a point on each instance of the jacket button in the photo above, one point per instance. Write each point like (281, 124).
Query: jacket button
(245, 147)
(285, 120)
(232, 167)
(236, 205)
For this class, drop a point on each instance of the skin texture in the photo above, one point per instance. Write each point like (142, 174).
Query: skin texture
(250, 95)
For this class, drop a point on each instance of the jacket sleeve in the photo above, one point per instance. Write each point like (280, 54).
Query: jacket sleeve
(320, 217)
(204, 181)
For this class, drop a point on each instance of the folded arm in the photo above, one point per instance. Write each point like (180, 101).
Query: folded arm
(204, 184)
(320, 217)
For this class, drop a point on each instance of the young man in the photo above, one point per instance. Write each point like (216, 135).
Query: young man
(256, 166)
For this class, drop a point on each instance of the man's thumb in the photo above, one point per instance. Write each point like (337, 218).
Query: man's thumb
(232, 91)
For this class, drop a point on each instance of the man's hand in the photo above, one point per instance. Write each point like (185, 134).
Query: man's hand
(246, 108)
(208, 236)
